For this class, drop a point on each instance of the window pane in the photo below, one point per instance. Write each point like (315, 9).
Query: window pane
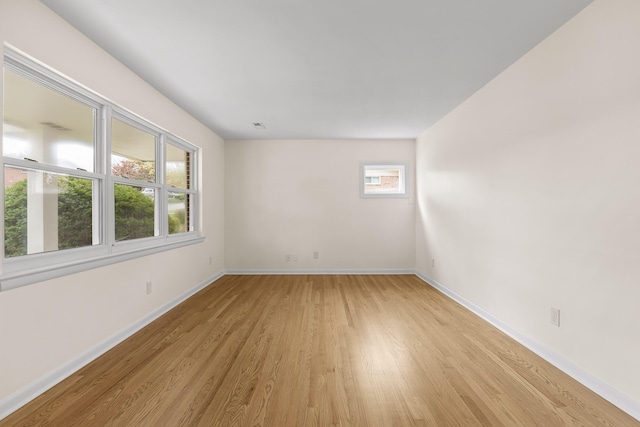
(46, 212)
(133, 152)
(384, 179)
(177, 167)
(178, 213)
(44, 125)
(134, 212)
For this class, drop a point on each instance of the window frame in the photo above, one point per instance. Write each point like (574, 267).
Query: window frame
(137, 123)
(27, 269)
(190, 190)
(403, 176)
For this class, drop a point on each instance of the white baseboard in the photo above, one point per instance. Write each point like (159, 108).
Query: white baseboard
(33, 390)
(315, 272)
(596, 385)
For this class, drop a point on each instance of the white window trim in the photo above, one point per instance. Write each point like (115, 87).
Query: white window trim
(28, 269)
(403, 193)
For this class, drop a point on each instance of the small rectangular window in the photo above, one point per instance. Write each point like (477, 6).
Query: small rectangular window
(383, 180)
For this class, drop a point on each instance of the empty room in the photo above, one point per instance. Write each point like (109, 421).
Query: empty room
(292, 213)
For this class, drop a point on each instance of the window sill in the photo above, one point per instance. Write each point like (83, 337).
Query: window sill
(382, 195)
(23, 277)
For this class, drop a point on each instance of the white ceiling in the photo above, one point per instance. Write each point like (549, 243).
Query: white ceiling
(317, 68)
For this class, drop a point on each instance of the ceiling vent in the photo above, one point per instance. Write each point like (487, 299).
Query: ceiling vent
(54, 126)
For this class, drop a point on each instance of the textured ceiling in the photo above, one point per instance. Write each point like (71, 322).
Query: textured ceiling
(317, 69)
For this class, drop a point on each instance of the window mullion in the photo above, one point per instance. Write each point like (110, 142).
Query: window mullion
(101, 198)
(162, 206)
(192, 185)
(134, 182)
(108, 193)
(44, 167)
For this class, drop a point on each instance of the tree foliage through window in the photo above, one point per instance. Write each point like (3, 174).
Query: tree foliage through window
(134, 169)
(15, 219)
(134, 214)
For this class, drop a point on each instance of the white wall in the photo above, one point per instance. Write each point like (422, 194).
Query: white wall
(297, 197)
(46, 325)
(528, 195)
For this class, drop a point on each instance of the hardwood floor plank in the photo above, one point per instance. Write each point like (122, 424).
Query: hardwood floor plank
(320, 350)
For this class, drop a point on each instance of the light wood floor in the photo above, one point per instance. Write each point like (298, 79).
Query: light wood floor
(319, 351)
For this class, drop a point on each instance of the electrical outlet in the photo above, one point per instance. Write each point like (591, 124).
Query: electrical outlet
(555, 316)
(149, 288)
(294, 258)
(433, 262)
(210, 260)
(316, 255)
(287, 258)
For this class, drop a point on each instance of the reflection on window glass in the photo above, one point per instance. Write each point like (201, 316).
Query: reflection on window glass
(178, 212)
(133, 152)
(46, 126)
(45, 212)
(177, 167)
(134, 212)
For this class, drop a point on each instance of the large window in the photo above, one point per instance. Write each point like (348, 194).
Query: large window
(86, 183)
